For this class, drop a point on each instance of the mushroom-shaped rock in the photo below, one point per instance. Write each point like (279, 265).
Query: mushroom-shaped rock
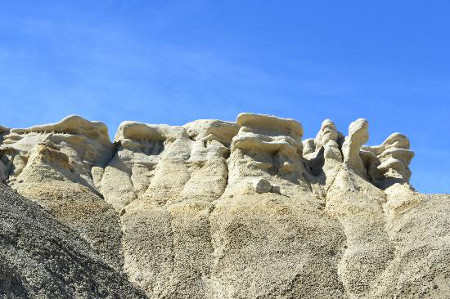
(357, 136)
(268, 147)
(266, 133)
(268, 124)
(390, 160)
(138, 131)
(212, 129)
(72, 124)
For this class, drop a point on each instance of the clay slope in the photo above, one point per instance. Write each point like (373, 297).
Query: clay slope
(243, 209)
(41, 258)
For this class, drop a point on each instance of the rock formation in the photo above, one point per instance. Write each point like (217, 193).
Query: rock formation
(42, 258)
(53, 165)
(216, 209)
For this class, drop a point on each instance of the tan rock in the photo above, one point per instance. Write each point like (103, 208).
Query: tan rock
(216, 209)
(52, 164)
(388, 163)
(211, 129)
(357, 136)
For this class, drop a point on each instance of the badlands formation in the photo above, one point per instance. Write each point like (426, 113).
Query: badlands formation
(216, 209)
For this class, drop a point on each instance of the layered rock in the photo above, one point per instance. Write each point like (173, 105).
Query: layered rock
(388, 163)
(53, 165)
(162, 181)
(270, 235)
(243, 209)
(266, 147)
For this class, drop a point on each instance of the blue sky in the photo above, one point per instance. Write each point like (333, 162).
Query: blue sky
(177, 61)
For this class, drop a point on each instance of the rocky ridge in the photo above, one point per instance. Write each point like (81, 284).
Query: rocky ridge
(244, 209)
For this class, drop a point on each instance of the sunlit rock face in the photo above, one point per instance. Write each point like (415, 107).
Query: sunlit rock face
(388, 163)
(55, 165)
(244, 209)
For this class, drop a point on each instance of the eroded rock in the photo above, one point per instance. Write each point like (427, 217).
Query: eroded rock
(42, 258)
(212, 129)
(216, 209)
(162, 181)
(53, 164)
(266, 147)
(388, 163)
(357, 136)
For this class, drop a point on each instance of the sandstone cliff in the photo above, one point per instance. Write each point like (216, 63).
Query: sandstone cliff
(216, 209)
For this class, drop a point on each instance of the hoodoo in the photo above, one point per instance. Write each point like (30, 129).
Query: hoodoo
(216, 209)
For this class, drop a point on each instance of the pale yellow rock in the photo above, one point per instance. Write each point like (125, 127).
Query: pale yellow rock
(357, 136)
(388, 163)
(243, 209)
(269, 123)
(211, 129)
(324, 156)
(52, 164)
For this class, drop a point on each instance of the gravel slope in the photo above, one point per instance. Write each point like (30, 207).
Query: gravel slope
(41, 258)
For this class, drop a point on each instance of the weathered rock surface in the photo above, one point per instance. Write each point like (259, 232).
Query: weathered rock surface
(53, 165)
(216, 209)
(42, 258)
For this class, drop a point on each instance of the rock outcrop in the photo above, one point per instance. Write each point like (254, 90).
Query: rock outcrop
(388, 163)
(216, 209)
(42, 258)
(357, 136)
(55, 166)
